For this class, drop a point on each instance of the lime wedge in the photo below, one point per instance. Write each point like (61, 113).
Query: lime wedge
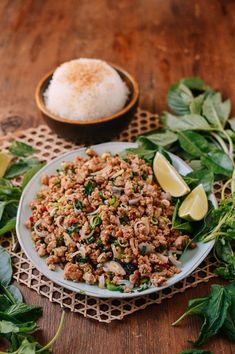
(4, 163)
(168, 178)
(195, 205)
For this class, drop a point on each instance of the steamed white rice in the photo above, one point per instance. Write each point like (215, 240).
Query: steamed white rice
(85, 89)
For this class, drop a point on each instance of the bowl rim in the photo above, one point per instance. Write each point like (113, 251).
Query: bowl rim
(42, 107)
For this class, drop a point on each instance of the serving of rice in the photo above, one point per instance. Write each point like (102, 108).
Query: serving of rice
(85, 89)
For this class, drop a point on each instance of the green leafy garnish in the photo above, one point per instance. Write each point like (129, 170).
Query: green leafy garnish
(18, 148)
(30, 173)
(95, 220)
(79, 205)
(124, 220)
(73, 228)
(89, 187)
(19, 168)
(216, 311)
(17, 319)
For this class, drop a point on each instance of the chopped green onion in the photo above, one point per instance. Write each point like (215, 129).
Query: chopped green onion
(145, 175)
(73, 228)
(124, 220)
(89, 187)
(59, 241)
(81, 259)
(99, 243)
(113, 202)
(154, 220)
(79, 205)
(143, 250)
(91, 239)
(95, 221)
(113, 287)
(145, 286)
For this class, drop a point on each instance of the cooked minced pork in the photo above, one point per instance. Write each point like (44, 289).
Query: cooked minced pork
(106, 221)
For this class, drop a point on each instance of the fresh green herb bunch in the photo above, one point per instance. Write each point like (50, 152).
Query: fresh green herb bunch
(200, 132)
(217, 310)
(9, 192)
(17, 319)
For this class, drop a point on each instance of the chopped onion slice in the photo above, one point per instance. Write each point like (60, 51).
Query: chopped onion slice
(134, 201)
(148, 247)
(143, 221)
(102, 281)
(39, 233)
(117, 190)
(114, 267)
(105, 171)
(115, 253)
(162, 257)
(59, 221)
(173, 260)
(118, 173)
(84, 236)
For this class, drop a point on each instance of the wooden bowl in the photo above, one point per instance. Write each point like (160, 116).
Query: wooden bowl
(85, 131)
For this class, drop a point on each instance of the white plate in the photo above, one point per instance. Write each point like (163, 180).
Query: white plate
(190, 260)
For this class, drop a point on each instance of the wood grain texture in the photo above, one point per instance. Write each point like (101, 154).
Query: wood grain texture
(158, 41)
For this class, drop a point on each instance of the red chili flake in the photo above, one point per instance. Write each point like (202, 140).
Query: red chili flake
(73, 220)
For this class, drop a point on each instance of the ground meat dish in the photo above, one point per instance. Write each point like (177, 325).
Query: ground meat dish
(106, 221)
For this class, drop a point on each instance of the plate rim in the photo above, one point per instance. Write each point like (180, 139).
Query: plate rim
(50, 275)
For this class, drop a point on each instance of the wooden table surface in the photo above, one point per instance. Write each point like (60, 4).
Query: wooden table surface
(158, 41)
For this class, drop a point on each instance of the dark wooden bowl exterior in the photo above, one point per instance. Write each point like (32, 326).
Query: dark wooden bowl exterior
(91, 131)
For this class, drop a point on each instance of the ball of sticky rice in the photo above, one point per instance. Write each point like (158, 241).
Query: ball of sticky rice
(85, 89)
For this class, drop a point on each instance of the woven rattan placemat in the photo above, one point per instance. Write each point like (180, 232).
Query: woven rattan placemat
(49, 146)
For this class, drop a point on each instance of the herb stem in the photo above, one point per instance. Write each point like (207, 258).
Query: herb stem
(179, 319)
(230, 142)
(221, 142)
(233, 182)
(225, 186)
(52, 341)
(216, 232)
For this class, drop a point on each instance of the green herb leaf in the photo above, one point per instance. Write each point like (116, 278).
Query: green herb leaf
(8, 193)
(212, 309)
(209, 111)
(164, 139)
(193, 143)
(179, 98)
(23, 312)
(18, 168)
(215, 313)
(218, 162)
(202, 176)
(143, 153)
(232, 123)
(2, 207)
(30, 173)
(228, 328)
(195, 106)
(89, 187)
(195, 307)
(186, 122)
(5, 267)
(10, 225)
(18, 148)
(8, 327)
(222, 108)
(15, 293)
